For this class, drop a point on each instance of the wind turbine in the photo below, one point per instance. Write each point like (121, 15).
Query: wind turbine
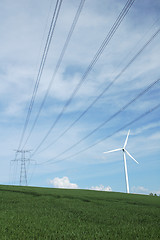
(124, 156)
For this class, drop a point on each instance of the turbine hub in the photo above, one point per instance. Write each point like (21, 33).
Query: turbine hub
(123, 149)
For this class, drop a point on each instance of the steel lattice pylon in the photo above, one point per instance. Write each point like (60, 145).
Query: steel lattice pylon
(23, 171)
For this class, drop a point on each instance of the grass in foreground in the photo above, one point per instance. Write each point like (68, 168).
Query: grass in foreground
(41, 213)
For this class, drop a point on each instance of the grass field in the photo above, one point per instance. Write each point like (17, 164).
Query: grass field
(41, 213)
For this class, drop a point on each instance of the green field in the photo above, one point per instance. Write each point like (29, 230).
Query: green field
(45, 213)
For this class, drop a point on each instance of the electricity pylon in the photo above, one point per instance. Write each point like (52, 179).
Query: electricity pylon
(23, 171)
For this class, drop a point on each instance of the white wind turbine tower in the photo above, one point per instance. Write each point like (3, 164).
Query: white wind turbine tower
(124, 156)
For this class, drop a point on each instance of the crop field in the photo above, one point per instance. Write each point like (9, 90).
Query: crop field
(45, 213)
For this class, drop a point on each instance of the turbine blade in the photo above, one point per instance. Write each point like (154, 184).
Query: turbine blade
(115, 150)
(126, 139)
(131, 156)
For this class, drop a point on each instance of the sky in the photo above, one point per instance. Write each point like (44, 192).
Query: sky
(24, 27)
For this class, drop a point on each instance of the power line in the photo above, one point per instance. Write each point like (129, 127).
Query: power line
(103, 139)
(105, 89)
(44, 56)
(44, 33)
(33, 172)
(108, 119)
(15, 168)
(57, 65)
(109, 36)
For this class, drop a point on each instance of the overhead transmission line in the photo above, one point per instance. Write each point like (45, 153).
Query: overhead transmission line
(107, 39)
(105, 89)
(75, 20)
(37, 63)
(110, 135)
(43, 60)
(107, 120)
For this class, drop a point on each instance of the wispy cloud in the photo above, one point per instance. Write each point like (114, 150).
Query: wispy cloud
(144, 128)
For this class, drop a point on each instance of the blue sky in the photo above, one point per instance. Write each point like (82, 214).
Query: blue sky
(24, 28)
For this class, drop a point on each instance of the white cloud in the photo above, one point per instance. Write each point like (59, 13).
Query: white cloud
(158, 192)
(143, 190)
(63, 182)
(101, 188)
(140, 190)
